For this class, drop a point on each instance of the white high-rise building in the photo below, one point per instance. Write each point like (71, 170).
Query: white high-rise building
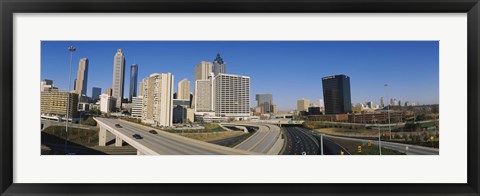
(82, 77)
(204, 92)
(157, 102)
(183, 91)
(137, 107)
(232, 95)
(118, 77)
(107, 103)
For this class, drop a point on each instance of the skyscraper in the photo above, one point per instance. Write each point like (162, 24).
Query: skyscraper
(264, 101)
(204, 95)
(303, 104)
(96, 93)
(82, 77)
(118, 77)
(382, 102)
(218, 65)
(232, 95)
(336, 94)
(157, 99)
(133, 81)
(202, 72)
(183, 91)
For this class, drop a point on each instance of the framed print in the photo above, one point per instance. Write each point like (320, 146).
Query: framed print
(228, 98)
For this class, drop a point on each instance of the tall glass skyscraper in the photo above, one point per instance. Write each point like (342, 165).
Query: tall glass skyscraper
(118, 77)
(96, 93)
(218, 65)
(133, 81)
(336, 94)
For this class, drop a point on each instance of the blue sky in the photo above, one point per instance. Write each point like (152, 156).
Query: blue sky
(289, 70)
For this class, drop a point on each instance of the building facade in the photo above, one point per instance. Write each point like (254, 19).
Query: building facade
(82, 77)
(137, 107)
(232, 95)
(203, 98)
(302, 105)
(157, 99)
(107, 103)
(336, 94)
(265, 102)
(118, 77)
(47, 85)
(133, 81)
(183, 90)
(56, 103)
(96, 92)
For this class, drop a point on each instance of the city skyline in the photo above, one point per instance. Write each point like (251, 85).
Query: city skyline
(409, 68)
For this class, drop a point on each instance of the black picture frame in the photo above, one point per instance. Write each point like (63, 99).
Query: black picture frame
(10, 7)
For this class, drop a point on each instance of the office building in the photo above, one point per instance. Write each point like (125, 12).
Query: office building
(183, 90)
(203, 70)
(107, 103)
(182, 114)
(47, 85)
(314, 110)
(133, 81)
(265, 102)
(82, 77)
(274, 109)
(182, 102)
(218, 65)
(56, 103)
(137, 107)
(108, 91)
(158, 99)
(382, 102)
(302, 105)
(232, 95)
(336, 94)
(96, 92)
(204, 93)
(118, 77)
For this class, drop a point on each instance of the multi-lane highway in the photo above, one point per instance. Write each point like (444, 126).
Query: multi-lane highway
(262, 140)
(300, 142)
(405, 148)
(164, 143)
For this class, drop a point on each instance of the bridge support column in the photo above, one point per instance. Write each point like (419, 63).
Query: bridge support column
(118, 141)
(139, 153)
(102, 136)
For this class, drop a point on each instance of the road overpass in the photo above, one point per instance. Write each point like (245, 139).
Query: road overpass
(48, 123)
(163, 143)
(405, 148)
(267, 139)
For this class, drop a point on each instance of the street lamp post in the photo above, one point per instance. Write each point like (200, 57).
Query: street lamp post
(388, 112)
(379, 136)
(71, 49)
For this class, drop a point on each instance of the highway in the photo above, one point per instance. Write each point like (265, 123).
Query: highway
(405, 148)
(262, 140)
(300, 141)
(164, 143)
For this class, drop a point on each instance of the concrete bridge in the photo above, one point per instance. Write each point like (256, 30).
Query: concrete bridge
(162, 143)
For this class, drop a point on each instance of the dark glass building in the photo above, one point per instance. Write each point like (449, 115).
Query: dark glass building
(133, 81)
(96, 93)
(265, 102)
(336, 94)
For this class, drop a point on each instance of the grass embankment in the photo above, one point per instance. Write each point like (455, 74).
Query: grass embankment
(210, 132)
(352, 147)
(83, 137)
(80, 141)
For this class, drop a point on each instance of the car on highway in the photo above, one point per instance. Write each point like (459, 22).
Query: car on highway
(118, 125)
(137, 136)
(153, 132)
